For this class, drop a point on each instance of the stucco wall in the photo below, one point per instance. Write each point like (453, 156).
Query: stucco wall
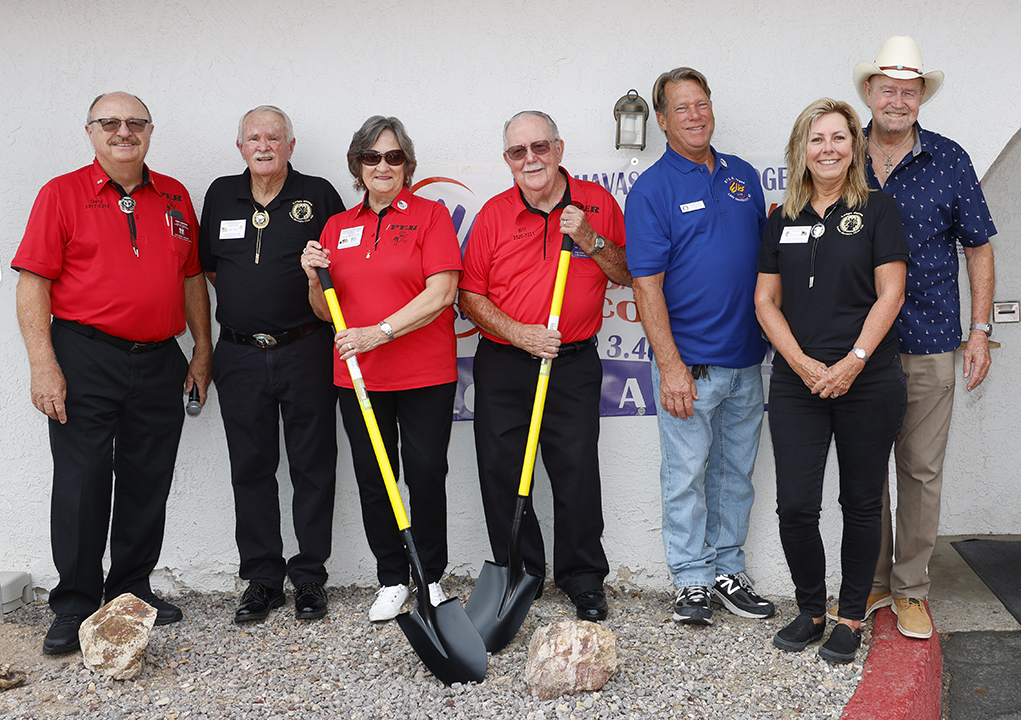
(454, 71)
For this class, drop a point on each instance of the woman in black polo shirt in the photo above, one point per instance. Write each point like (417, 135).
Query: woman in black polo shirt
(830, 285)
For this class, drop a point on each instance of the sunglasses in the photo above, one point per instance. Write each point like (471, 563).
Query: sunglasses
(135, 125)
(372, 157)
(539, 147)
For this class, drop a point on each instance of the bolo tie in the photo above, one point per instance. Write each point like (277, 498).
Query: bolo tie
(127, 206)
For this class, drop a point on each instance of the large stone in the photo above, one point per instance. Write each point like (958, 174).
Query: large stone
(113, 639)
(568, 657)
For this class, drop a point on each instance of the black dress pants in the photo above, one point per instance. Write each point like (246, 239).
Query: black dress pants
(124, 417)
(257, 387)
(419, 421)
(505, 380)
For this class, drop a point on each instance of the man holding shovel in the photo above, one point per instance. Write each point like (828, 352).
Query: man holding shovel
(510, 263)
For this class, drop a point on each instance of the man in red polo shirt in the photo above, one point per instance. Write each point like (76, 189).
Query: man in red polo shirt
(510, 263)
(110, 254)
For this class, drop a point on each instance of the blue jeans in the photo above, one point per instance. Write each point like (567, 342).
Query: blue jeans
(706, 474)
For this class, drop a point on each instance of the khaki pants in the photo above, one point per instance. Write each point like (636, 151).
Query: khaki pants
(920, 448)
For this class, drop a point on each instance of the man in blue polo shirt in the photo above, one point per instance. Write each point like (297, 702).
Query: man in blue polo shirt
(694, 222)
(941, 204)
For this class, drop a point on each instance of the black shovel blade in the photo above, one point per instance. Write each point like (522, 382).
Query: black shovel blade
(499, 603)
(446, 641)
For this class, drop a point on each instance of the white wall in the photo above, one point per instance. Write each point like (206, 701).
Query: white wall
(454, 71)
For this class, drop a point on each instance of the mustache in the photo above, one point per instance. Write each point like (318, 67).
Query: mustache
(264, 156)
(122, 140)
(534, 166)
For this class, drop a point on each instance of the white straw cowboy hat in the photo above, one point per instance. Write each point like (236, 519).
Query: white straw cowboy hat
(900, 59)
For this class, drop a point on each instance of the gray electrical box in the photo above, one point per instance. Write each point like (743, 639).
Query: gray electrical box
(16, 590)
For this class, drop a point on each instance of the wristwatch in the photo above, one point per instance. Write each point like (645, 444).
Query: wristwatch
(860, 354)
(385, 327)
(987, 328)
(599, 244)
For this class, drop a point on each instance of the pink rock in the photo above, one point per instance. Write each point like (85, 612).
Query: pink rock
(568, 657)
(113, 639)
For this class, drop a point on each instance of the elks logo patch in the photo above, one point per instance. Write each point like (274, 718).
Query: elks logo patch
(301, 211)
(851, 223)
(737, 189)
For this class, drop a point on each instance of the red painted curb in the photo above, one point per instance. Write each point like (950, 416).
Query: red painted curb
(902, 678)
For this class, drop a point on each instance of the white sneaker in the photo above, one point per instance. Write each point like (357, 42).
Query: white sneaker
(436, 594)
(389, 600)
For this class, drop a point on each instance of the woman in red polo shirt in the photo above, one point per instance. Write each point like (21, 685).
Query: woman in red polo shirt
(395, 263)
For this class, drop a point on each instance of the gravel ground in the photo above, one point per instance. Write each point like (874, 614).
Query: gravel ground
(344, 666)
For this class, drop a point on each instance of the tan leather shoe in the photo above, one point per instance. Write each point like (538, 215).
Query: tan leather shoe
(875, 601)
(912, 618)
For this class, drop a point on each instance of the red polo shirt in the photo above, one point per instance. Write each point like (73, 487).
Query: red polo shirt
(378, 266)
(78, 237)
(511, 258)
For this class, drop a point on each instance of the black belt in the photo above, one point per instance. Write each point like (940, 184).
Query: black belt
(120, 343)
(267, 341)
(566, 349)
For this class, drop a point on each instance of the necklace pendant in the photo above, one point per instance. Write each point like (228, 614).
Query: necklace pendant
(127, 205)
(260, 219)
(887, 165)
(817, 231)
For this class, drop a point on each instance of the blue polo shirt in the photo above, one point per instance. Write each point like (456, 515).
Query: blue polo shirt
(941, 203)
(703, 231)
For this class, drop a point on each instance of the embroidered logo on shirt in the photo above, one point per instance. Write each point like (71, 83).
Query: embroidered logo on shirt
(850, 223)
(301, 211)
(737, 189)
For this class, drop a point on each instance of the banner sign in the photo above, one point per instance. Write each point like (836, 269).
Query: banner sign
(623, 348)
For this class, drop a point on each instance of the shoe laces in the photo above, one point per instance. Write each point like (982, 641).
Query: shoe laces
(389, 593)
(311, 588)
(67, 619)
(693, 593)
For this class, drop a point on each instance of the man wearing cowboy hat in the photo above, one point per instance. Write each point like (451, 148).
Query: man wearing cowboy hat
(941, 204)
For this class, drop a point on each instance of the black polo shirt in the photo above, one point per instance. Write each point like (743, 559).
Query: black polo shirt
(270, 296)
(826, 310)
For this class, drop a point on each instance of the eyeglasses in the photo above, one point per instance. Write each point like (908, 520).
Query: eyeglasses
(372, 157)
(539, 147)
(110, 125)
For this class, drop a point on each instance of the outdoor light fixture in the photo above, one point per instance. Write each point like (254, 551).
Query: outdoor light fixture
(631, 112)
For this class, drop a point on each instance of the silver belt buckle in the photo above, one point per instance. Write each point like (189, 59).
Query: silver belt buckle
(263, 340)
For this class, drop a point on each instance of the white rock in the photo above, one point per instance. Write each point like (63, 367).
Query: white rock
(568, 657)
(113, 639)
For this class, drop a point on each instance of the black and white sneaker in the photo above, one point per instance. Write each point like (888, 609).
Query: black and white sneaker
(735, 593)
(693, 606)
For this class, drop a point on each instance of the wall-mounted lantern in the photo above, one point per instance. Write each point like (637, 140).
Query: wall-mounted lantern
(631, 113)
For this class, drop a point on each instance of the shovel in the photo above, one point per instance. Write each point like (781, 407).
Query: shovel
(443, 636)
(503, 594)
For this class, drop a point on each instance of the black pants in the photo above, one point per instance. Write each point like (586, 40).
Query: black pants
(124, 417)
(423, 417)
(864, 423)
(505, 381)
(257, 387)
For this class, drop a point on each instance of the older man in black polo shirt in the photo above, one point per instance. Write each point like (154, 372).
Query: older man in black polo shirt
(274, 358)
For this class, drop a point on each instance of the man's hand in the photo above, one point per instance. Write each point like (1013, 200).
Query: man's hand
(677, 391)
(49, 390)
(538, 340)
(976, 359)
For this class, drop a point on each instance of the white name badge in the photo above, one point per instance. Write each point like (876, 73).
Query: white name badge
(795, 234)
(688, 207)
(232, 229)
(350, 237)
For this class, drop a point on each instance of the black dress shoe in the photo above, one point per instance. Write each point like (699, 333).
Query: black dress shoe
(257, 601)
(591, 605)
(165, 612)
(62, 637)
(310, 601)
(801, 631)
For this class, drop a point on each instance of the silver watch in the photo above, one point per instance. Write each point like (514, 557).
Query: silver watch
(385, 327)
(986, 328)
(860, 354)
(599, 244)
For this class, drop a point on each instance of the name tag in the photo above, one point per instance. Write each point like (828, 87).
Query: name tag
(232, 229)
(795, 234)
(688, 207)
(179, 229)
(350, 237)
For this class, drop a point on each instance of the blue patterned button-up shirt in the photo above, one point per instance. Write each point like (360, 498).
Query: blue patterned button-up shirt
(941, 204)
